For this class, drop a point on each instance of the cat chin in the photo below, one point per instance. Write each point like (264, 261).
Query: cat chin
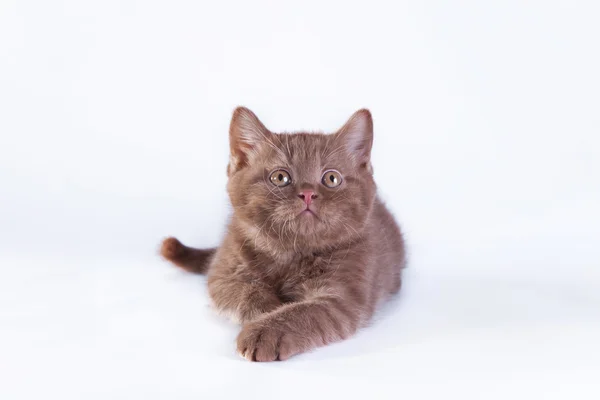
(307, 221)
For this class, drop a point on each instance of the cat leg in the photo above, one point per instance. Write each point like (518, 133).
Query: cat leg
(240, 300)
(324, 315)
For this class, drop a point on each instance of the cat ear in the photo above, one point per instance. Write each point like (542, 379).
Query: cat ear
(246, 133)
(357, 136)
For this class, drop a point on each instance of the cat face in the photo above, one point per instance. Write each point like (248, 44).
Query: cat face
(300, 191)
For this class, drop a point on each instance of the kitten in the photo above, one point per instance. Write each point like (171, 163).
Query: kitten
(310, 250)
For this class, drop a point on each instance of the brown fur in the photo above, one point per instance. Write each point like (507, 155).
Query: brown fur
(298, 281)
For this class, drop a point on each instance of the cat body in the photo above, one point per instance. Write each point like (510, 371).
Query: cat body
(310, 250)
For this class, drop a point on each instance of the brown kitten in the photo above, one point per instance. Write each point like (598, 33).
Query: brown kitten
(310, 250)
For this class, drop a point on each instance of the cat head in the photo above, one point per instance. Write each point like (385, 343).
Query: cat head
(300, 191)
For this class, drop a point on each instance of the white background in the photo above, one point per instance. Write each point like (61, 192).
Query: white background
(113, 134)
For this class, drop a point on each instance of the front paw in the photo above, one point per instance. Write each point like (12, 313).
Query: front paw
(258, 342)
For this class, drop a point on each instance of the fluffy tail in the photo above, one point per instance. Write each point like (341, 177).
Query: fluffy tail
(187, 258)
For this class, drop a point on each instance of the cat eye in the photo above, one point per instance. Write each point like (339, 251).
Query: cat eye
(331, 178)
(280, 178)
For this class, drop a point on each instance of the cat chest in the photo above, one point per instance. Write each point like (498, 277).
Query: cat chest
(290, 281)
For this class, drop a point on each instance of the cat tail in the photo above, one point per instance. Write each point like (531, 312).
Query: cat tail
(190, 259)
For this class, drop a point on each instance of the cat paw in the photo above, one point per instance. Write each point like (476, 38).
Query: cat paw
(257, 342)
(171, 248)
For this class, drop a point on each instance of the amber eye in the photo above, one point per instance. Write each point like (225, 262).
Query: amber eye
(280, 178)
(331, 179)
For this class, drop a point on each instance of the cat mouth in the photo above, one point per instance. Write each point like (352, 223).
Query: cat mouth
(307, 212)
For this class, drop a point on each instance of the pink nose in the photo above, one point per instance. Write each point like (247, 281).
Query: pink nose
(308, 196)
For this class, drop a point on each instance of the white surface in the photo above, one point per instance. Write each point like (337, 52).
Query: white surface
(113, 134)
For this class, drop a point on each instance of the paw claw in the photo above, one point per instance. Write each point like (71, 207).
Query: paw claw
(242, 353)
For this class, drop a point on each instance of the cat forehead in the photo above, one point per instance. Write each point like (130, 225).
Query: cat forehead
(302, 147)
